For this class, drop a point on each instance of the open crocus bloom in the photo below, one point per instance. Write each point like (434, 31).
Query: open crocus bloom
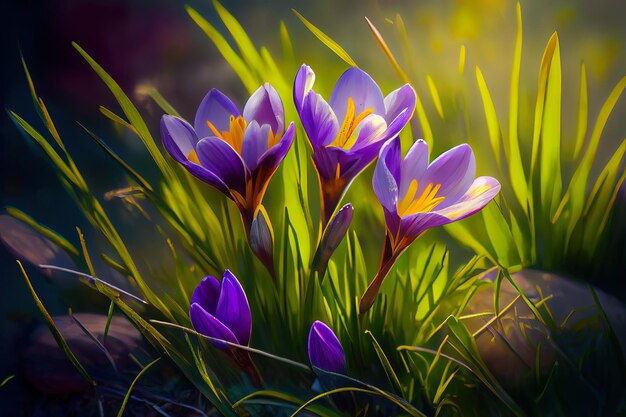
(416, 196)
(237, 153)
(221, 310)
(347, 132)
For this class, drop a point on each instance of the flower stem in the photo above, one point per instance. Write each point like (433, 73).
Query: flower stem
(387, 260)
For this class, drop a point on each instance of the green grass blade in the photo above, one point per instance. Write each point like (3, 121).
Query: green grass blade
(120, 413)
(248, 52)
(234, 60)
(544, 73)
(160, 101)
(55, 331)
(131, 112)
(550, 160)
(583, 110)
(40, 228)
(391, 374)
(326, 40)
(392, 59)
(516, 169)
(434, 93)
(493, 127)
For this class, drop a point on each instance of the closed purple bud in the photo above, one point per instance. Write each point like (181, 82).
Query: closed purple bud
(333, 235)
(221, 310)
(262, 239)
(325, 351)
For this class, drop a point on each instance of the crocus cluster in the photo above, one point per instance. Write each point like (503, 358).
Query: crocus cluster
(238, 152)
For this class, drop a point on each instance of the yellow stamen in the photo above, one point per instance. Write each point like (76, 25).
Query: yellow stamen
(350, 122)
(424, 203)
(234, 135)
(193, 157)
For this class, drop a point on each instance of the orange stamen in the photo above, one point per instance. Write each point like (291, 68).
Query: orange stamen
(234, 135)
(193, 157)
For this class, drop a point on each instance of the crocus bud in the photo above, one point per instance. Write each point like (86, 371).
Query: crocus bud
(221, 310)
(262, 240)
(333, 235)
(325, 351)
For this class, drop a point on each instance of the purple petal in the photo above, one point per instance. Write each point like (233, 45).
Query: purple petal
(384, 181)
(220, 158)
(305, 78)
(358, 85)
(455, 170)
(179, 138)
(255, 141)
(481, 192)
(372, 129)
(414, 165)
(399, 101)
(319, 120)
(325, 351)
(414, 225)
(206, 324)
(216, 108)
(269, 161)
(207, 294)
(233, 309)
(398, 124)
(265, 106)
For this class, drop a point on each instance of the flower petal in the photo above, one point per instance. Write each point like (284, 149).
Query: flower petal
(384, 181)
(303, 83)
(178, 137)
(398, 101)
(265, 106)
(217, 109)
(414, 165)
(221, 159)
(370, 130)
(270, 160)
(358, 85)
(207, 294)
(206, 324)
(255, 141)
(480, 193)
(414, 225)
(455, 170)
(179, 140)
(325, 350)
(233, 309)
(318, 119)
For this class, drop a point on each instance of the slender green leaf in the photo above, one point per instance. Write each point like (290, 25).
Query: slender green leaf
(55, 331)
(326, 40)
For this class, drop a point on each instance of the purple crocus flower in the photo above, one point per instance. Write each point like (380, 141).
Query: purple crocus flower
(416, 196)
(235, 152)
(347, 132)
(221, 310)
(325, 351)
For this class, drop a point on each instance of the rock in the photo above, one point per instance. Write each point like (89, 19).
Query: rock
(48, 369)
(509, 345)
